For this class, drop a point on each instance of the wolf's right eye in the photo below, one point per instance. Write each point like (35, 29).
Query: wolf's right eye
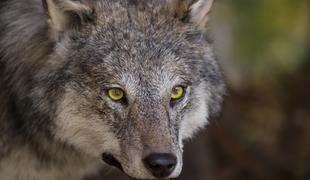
(116, 94)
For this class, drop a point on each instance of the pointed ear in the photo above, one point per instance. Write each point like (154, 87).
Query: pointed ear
(67, 14)
(195, 11)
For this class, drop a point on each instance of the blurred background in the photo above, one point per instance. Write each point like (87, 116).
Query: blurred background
(264, 130)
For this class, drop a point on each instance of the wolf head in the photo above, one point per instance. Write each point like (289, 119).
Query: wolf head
(136, 78)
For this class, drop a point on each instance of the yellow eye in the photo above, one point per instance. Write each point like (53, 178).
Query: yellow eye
(177, 92)
(116, 94)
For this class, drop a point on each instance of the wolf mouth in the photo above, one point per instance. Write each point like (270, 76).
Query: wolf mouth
(112, 161)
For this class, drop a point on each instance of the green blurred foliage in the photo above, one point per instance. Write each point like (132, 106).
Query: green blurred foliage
(269, 36)
(265, 127)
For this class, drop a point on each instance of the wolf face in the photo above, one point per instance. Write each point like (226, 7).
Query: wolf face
(133, 80)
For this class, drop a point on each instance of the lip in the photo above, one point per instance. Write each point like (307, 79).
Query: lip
(112, 161)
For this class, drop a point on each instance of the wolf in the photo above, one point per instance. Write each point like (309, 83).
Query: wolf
(86, 83)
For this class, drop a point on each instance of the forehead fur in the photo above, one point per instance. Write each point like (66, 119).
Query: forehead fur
(128, 35)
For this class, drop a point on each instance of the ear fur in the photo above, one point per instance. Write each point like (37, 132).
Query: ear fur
(195, 11)
(67, 14)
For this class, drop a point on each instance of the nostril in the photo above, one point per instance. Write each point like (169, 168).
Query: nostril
(170, 166)
(160, 164)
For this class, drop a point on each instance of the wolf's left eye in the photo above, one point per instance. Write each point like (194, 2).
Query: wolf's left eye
(116, 94)
(177, 93)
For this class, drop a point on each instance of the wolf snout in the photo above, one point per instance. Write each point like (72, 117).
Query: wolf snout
(160, 164)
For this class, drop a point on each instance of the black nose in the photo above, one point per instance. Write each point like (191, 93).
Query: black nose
(160, 164)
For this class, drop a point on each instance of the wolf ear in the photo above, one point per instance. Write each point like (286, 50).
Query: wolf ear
(195, 11)
(67, 14)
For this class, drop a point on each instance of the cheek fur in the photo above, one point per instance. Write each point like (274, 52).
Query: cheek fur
(84, 130)
(196, 117)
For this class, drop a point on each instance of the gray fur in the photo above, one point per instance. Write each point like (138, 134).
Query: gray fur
(55, 115)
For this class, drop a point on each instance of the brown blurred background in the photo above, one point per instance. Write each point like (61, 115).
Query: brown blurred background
(264, 130)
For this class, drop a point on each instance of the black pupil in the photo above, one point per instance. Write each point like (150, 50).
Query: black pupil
(176, 90)
(117, 92)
